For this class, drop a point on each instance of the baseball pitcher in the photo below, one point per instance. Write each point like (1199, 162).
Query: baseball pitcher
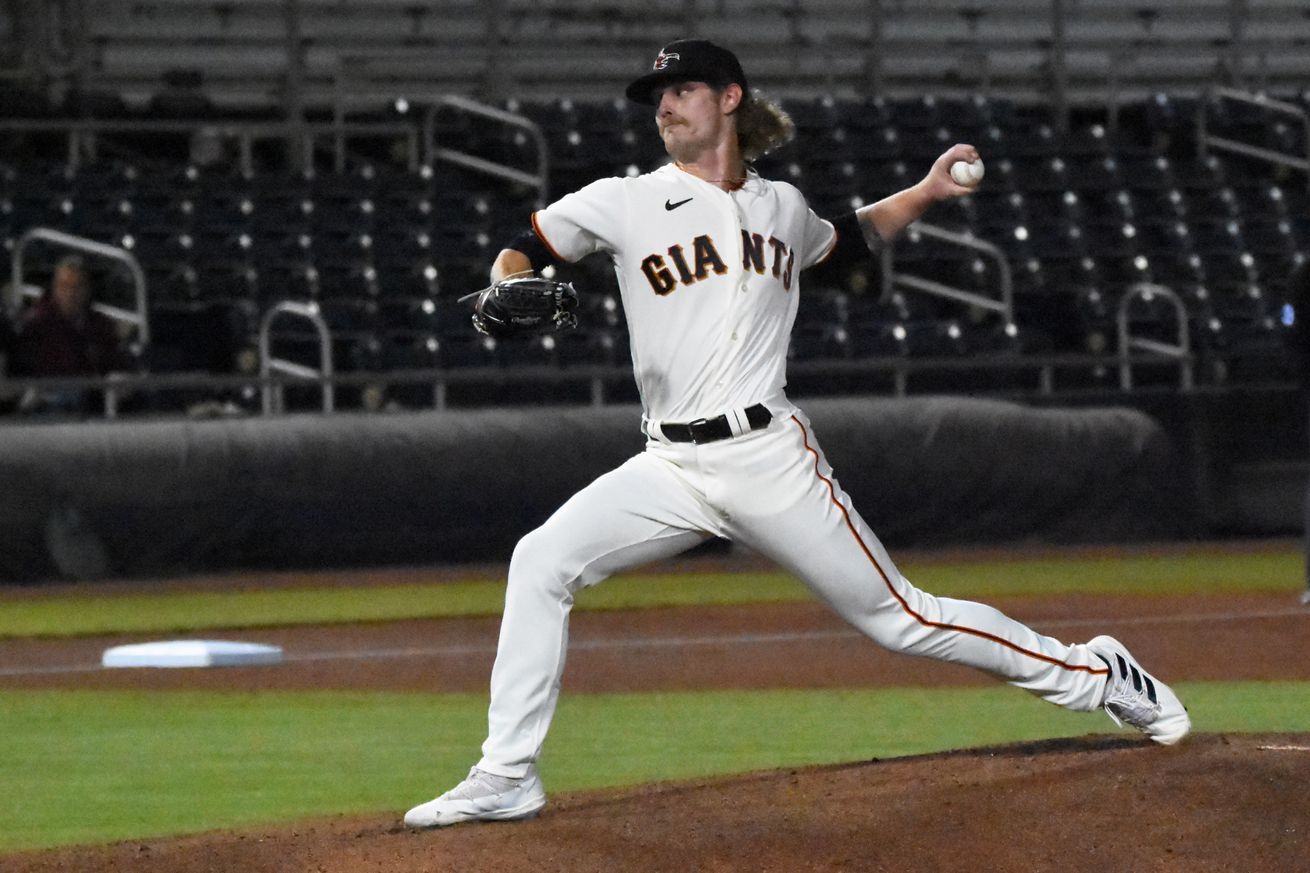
(710, 258)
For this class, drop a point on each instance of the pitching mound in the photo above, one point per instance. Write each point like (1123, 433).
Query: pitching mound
(1219, 803)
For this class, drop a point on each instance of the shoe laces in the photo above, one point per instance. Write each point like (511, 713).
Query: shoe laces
(480, 783)
(1130, 696)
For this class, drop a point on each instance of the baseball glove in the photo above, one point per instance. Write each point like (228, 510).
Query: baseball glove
(524, 307)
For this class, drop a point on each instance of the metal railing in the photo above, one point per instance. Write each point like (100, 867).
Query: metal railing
(1039, 375)
(539, 180)
(1004, 306)
(366, 77)
(1206, 140)
(1181, 351)
(139, 318)
(273, 394)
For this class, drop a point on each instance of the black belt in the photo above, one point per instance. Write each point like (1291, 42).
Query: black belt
(709, 430)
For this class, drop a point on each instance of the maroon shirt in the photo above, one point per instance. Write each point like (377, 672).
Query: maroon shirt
(49, 344)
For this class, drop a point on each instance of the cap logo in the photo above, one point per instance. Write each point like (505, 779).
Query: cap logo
(664, 58)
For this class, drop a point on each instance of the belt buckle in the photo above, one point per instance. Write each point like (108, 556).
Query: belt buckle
(693, 425)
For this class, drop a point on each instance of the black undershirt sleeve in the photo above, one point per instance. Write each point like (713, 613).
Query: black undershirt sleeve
(536, 251)
(851, 241)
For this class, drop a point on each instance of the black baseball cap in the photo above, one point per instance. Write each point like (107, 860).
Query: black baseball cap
(688, 60)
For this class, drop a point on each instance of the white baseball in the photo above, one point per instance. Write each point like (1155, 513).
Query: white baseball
(967, 173)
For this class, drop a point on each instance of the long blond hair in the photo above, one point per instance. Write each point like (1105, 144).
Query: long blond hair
(762, 126)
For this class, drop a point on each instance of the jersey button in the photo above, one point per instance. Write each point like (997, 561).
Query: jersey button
(734, 336)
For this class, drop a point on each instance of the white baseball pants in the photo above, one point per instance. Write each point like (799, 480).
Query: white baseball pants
(771, 490)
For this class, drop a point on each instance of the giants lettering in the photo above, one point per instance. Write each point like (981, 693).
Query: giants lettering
(684, 272)
(779, 249)
(752, 257)
(661, 280)
(705, 257)
(752, 248)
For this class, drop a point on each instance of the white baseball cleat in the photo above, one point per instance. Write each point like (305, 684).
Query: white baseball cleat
(482, 796)
(1135, 697)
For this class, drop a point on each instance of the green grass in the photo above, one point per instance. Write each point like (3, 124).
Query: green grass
(178, 612)
(139, 764)
(143, 764)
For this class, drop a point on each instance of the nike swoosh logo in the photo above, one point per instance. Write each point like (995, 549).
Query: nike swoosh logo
(669, 207)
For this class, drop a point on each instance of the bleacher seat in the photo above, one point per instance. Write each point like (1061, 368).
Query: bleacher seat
(591, 346)
(349, 316)
(817, 341)
(469, 349)
(879, 340)
(413, 315)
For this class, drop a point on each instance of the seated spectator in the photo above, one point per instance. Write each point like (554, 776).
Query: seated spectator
(61, 335)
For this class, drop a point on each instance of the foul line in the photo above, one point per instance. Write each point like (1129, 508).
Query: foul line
(1283, 748)
(684, 642)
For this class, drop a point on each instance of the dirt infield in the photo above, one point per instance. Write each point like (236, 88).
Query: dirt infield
(789, 645)
(1075, 806)
(1218, 803)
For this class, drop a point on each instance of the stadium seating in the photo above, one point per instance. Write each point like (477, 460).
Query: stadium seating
(385, 251)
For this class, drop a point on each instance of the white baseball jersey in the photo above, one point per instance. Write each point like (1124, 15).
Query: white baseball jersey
(709, 280)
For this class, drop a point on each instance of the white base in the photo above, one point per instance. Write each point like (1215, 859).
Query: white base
(191, 653)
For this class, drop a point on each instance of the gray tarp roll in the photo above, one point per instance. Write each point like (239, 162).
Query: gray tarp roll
(171, 497)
